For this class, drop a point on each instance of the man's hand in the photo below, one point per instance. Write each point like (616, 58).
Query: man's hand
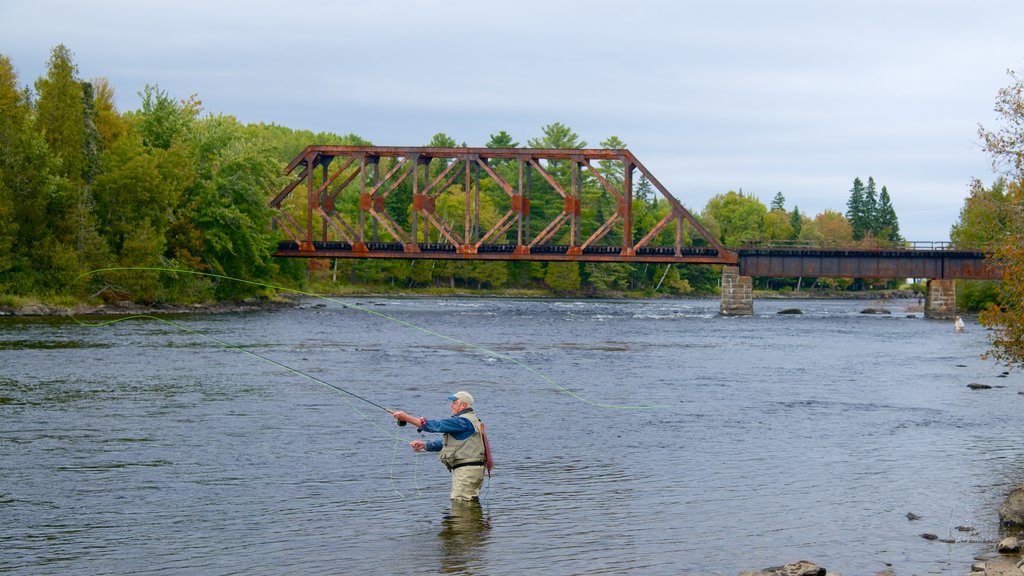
(418, 445)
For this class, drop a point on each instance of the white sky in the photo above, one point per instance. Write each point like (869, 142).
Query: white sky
(759, 95)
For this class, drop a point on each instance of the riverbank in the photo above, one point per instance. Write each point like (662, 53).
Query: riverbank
(29, 307)
(129, 308)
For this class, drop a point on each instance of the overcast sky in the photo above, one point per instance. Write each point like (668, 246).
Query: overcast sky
(765, 96)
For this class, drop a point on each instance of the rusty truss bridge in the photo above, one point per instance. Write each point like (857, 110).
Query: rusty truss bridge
(475, 203)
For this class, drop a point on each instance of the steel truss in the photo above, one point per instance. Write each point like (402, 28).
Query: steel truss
(368, 176)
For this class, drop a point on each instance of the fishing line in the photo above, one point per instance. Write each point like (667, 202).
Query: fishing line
(398, 439)
(434, 333)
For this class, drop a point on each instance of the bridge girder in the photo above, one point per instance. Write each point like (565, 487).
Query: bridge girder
(448, 208)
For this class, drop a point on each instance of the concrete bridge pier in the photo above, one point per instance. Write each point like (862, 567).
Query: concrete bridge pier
(940, 299)
(737, 293)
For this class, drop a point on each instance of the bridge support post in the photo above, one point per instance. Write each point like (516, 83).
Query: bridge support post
(737, 293)
(940, 299)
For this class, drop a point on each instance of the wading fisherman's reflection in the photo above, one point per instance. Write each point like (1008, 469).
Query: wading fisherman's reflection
(463, 445)
(463, 537)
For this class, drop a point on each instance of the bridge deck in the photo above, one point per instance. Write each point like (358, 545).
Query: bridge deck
(789, 262)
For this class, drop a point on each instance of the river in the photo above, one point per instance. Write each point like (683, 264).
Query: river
(630, 437)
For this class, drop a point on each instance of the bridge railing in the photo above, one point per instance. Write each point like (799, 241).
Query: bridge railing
(868, 244)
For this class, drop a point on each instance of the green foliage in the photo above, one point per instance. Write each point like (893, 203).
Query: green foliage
(501, 140)
(976, 295)
(162, 120)
(739, 217)
(796, 222)
(84, 186)
(226, 203)
(1006, 146)
(59, 113)
(872, 215)
(563, 276)
(987, 215)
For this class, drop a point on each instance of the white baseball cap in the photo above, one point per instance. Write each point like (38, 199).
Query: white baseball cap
(465, 397)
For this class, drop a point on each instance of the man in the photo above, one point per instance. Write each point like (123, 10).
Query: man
(463, 445)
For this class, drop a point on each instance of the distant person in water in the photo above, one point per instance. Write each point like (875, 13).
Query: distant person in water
(958, 326)
(463, 445)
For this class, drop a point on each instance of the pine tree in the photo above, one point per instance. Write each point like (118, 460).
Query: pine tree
(871, 222)
(643, 189)
(778, 203)
(888, 224)
(796, 221)
(855, 212)
(501, 140)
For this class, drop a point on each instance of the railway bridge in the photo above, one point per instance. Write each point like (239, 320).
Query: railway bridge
(554, 205)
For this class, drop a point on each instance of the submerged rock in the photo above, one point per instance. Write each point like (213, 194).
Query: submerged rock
(790, 311)
(875, 311)
(976, 386)
(911, 516)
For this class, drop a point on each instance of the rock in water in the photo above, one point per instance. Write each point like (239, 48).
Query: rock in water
(911, 516)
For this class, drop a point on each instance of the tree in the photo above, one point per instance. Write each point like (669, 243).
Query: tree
(857, 212)
(777, 226)
(220, 218)
(643, 190)
(557, 135)
(796, 221)
(888, 223)
(64, 113)
(739, 216)
(986, 217)
(870, 215)
(829, 227)
(109, 124)
(1006, 146)
(778, 203)
(563, 276)
(1006, 316)
(162, 120)
(501, 140)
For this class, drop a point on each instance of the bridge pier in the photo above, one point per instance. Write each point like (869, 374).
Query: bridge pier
(940, 299)
(737, 293)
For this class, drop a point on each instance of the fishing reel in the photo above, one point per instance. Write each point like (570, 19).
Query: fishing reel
(399, 422)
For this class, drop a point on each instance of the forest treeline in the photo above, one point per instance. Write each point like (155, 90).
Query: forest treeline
(84, 186)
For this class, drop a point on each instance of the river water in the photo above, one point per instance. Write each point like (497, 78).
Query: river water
(630, 437)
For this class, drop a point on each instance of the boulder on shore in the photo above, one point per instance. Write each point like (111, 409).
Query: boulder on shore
(1011, 513)
(1008, 546)
(798, 568)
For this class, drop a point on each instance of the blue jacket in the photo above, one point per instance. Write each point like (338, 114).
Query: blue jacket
(460, 428)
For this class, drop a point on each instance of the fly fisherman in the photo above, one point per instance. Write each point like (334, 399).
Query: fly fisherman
(463, 445)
